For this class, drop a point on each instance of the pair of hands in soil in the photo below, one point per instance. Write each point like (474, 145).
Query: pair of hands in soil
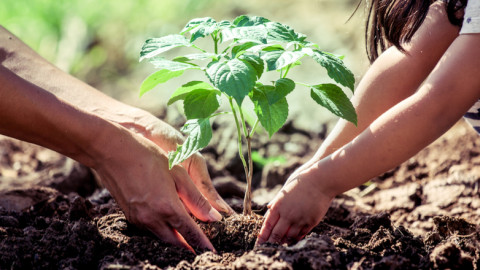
(164, 208)
(154, 197)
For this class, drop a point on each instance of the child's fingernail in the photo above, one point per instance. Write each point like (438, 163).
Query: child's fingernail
(214, 215)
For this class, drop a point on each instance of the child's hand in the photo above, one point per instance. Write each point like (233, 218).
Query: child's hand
(297, 208)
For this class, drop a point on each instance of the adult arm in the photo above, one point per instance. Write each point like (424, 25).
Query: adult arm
(41, 104)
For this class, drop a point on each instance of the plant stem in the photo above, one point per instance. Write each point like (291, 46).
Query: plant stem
(253, 128)
(215, 42)
(239, 133)
(247, 201)
(287, 70)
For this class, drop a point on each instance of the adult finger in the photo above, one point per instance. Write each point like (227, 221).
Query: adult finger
(191, 232)
(279, 231)
(197, 169)
(169, 235)
(192, 198)
(271, 219)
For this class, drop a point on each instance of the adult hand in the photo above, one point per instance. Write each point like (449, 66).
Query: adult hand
(135, 171)
(167, 138)
(295, 210)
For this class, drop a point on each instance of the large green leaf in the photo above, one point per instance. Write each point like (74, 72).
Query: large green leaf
(257, 33)
(334, 99)
(279, 32)
(200, 27)
(234, 77)
(271, 116)
(155, 46)
(181, 92)
(278, 91)
(156, 78)
(245, 20)
(283, 87)
(162, 63)
(278, 59)
(336, 69)
(201, 103)
(242, 48)
(256, 62)
(195, 56)
(199, 135)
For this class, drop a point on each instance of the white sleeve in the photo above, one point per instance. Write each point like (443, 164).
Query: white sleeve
(471, 19)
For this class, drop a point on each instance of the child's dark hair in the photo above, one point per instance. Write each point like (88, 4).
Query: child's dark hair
(393, 22)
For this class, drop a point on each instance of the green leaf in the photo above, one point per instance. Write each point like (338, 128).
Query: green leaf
(195, 56)
(256, 33)
(242, 48)
(181, 92)
(271, 116)
(283, 87)
(155, 46)
(233, 77)
(256, 62)
(278, 59)
(199, 135)
(200, 27)
(334, 99)
(162, 63)
(201, 103)
(157, 78)
(274, 93)
(245, 20)
(336, 69)
(283, 33)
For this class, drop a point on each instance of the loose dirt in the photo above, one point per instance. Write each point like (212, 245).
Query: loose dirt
(424, 214)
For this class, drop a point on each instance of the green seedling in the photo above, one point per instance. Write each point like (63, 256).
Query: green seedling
(242, 51)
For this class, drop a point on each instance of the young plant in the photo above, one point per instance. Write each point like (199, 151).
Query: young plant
(242, 51)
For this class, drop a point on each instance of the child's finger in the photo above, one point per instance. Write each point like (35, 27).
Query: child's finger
(269, 223)
(279, 231)
(292, 235)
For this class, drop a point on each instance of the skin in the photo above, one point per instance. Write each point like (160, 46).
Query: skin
(125, 146)
(398, 116)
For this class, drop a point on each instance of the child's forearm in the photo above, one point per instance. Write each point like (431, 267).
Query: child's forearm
(394, 76)
(411, 125)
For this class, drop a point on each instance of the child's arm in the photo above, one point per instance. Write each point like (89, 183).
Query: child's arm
(393, 77)
(396, 135)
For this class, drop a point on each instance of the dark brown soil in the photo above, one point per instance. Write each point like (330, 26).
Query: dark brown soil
(425, 214)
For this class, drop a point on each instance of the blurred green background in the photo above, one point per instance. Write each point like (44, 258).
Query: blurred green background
(99, 41)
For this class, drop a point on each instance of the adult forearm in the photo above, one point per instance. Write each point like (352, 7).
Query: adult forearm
(27, 64)
(30, 113)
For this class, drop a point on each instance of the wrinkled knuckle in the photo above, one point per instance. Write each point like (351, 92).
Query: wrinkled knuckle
(202, 203)
(167, 212)
(143, 218)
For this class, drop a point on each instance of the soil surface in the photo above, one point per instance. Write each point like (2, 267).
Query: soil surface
(424, 214)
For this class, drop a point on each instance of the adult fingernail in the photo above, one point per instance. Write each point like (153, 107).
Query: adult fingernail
(214, 215)
(224, 206)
